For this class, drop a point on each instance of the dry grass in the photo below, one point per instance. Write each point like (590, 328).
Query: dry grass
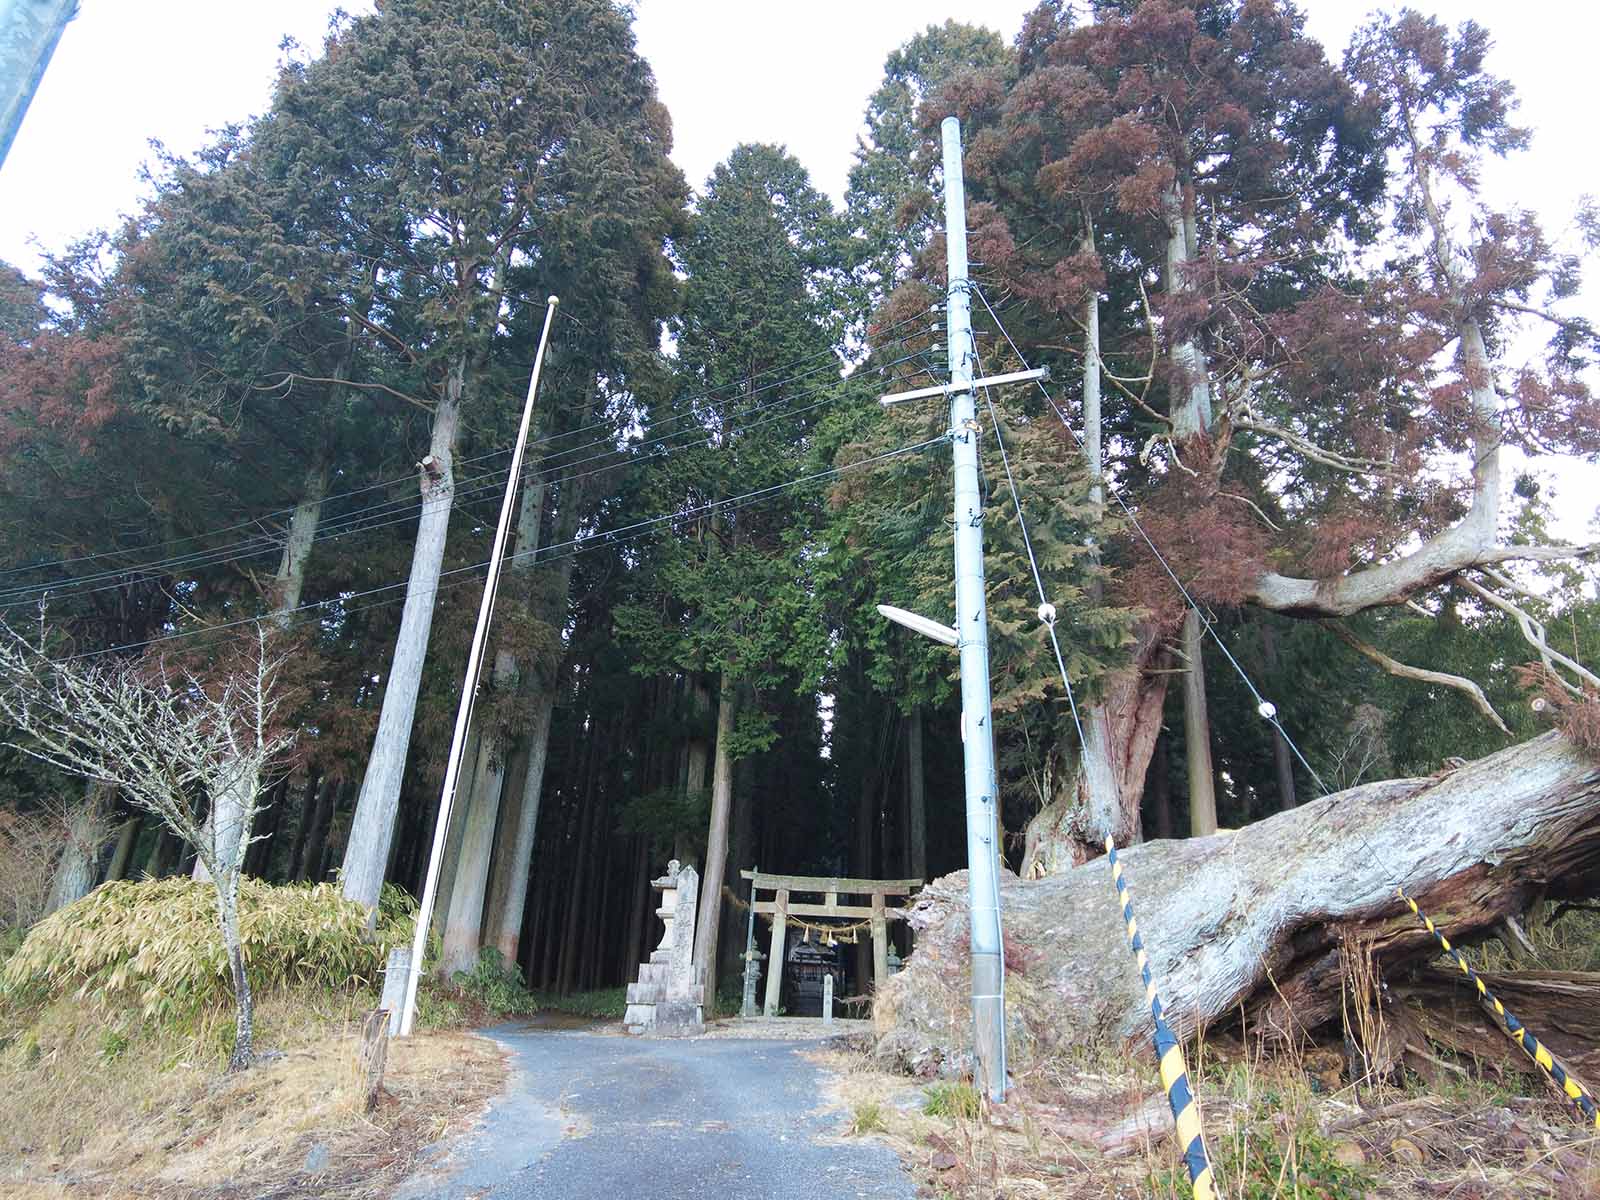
(1093, 1123)
(95, 1111)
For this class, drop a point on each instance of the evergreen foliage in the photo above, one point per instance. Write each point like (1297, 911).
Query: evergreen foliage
(282, 323)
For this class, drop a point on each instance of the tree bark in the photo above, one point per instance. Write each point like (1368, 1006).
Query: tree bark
(1255, 920)
(163, 853)
(744, 849)
(708, 921)
(916, 798)
(308, 810)
(367, 851)
(1158, 788)
(243, 1054)
(541, 680)
(1191, 386)
(463, 912)
(86, 832)
(310, 867)
(227, 825)
(127, 836)
(1103, 799)
(1282, 761)
(259, 856)
(463, 923)
(519, 849)
(1197, 731)
(289, 583)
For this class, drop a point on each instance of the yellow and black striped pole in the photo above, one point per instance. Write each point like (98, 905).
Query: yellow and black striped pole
(1169, 1054)
(1574, 1091)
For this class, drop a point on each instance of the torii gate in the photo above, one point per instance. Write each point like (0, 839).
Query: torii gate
(781, 908)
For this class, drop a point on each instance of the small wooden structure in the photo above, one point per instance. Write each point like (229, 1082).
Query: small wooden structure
(782, 906)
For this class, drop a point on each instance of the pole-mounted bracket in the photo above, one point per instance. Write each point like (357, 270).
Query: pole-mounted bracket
(944, 389)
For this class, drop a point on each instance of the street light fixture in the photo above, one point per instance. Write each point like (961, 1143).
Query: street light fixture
(920, 624)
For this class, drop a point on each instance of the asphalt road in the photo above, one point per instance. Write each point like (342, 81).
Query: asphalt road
(599, 1117)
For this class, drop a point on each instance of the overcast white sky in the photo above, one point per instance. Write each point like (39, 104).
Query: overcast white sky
(728, 70)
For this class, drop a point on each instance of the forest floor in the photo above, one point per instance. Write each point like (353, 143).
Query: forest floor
(88, 1112)
(1098, 1126)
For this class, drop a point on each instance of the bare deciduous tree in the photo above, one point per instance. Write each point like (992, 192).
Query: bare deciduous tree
(169, 740)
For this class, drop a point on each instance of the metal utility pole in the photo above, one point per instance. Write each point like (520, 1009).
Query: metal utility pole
(970, 635)
(972, 626)
(469, 691)
(29, 31)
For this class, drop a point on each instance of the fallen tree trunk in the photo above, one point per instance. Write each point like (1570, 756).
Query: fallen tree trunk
(1253, 923)
(1561, 1007)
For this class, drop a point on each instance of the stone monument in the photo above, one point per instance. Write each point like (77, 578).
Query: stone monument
(666, 1000)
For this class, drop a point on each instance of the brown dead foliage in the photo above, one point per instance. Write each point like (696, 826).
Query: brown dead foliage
(1093, 1123)
(75, 1122)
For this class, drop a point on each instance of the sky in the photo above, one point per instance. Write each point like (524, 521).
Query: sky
(728, 70)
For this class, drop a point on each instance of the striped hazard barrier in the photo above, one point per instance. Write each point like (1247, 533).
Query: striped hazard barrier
(1169, 1054)
(1574, 1091)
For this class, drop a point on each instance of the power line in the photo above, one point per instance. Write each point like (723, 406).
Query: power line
(708, 395)
(1548, 1064)
(541, 554)
(1265, 707)
(401, 511)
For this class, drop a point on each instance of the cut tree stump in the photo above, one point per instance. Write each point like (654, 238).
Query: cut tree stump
(1252, 923)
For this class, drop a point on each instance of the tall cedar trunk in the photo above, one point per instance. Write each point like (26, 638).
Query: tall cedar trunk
(1191, 384)
(541, 679)
(466, 797)
(367, 850)
(1158, 788)
(259, 855)
(578, 916)
(916, 799)
(708, 922)
(163, 854)
(227, 824)
(127, 837)
(640, 894)
(289, 583)
(86, 829)
(310, 866)
(744, 848)
(1197, 731)
(866, 819)
(463, 914)
(494, 912)
(1120, 734)
(308, 810)
(519, 847)
(1282, 762)
(1111, 762)
(604, 879)
(1255, 921)
(463, 923)
(697, 752)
